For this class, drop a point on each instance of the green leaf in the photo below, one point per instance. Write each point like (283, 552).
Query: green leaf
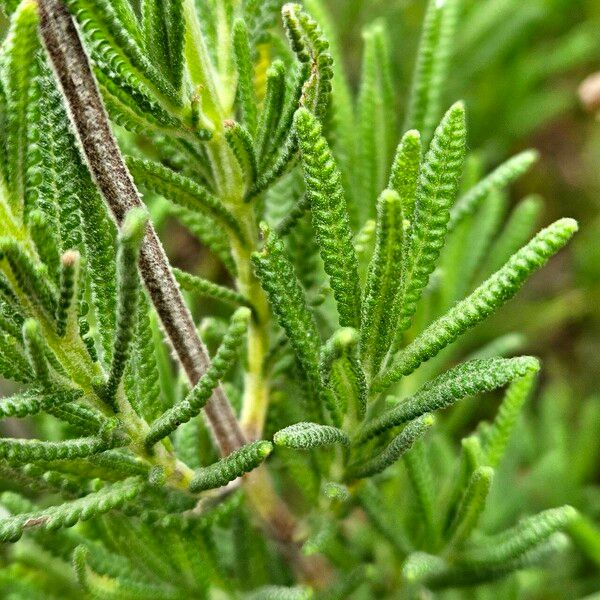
(231, 467)
(436, 191)
(117, 588)
(182, 190)
(192, 404)
(436, 573)
(503, 345)
(518, 229)
(329, 216)
(66, 310)
(261, 15)
(371, 501)
(163, 26)
(243, 61)
(28, 276)
(467, 379)
(67, 515)
(496, 437)
(310, 435)
(240, 142)
(418, 468)
(384, 279)
(487, 298)
(100, 254)
(310, 46)
(276, 592)
(36, 350)
(13, 364)
(19, 65)
(524, 536)
(376, 119)
(342, 371)
(64, 195)
(466, 247)
(286, 296)
(122, 58)
(143, 384)
(130, 240)
(19, 452)
(431, 66)
(404, 175)
(502, 176)
(341, 119)
(32, 402)
(207, 230)
(204, 287)
(272, 109)
(401, 444)
(471, 506)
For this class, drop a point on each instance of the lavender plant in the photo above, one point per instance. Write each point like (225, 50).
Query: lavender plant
(289, 445)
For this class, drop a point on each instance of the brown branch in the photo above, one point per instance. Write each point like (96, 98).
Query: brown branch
(101, 152)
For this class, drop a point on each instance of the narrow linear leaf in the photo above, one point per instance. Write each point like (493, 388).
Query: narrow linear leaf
(439, 73)
(130, 239)
(199, 395)
(163, 25)
(19, 65)
(487, 298)
(401, 444)
(28, 276)
(342, 371)
(231, 467)
(521, 538)
(436, 191)
(420, 475)
(471, 506)
(384, 279)
(502, 176)
(182, 190)
(310, 435)
(404, 174)
(243, 61)
(36, 350)
(496, 438)
(67, 515)
(144, 384)
(240, 142)
(504, 345)
(272, 108)
(287, 298)
(311, 48)
(66, 310)
(204, 287)
(468, 379)
(436, 573)
(376, 119)
(330, 217)
(277, 592)
(117, 588)
(419, 103)
(519, 228)
(19, 452)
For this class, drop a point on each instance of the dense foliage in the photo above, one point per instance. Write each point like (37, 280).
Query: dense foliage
(292, 443)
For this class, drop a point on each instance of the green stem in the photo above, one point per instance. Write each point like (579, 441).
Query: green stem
(256, 385)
